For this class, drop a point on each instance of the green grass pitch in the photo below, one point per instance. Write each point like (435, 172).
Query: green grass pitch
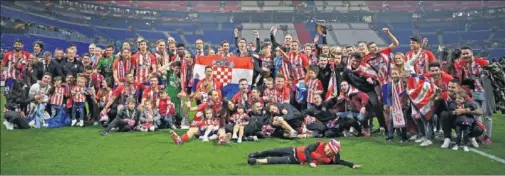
(79, 151)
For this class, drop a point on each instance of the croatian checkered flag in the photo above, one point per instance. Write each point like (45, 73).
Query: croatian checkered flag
(227, 71)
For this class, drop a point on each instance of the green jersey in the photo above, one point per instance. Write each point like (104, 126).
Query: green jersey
(104, 66)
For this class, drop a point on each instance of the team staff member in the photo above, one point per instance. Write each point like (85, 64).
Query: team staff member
(314, 154)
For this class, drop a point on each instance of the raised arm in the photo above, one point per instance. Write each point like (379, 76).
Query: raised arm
(258, 47)
(235, 33)
(394, 42)
(273, 30)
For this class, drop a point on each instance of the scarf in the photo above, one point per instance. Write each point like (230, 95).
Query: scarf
(122, 67)
(333, 84)
(396, 108)
(130, 120)
(148, 113)
(144, 59)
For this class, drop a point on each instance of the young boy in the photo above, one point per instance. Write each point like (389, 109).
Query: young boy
(462, 109)
(57, 94)
(314, 154)
(78, 100)
(166, 109)
(395, 105)
(125, 119)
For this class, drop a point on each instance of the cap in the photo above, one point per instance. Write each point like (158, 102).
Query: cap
(334, 145)
(416, 38)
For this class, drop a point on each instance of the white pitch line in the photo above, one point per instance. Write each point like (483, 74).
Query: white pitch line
(488, 155)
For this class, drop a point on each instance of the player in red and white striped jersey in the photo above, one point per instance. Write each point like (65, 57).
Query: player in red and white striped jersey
(144, 63)
(152, 92)
(294, 64)
(426, 57)
(281, 91)
(121, 67)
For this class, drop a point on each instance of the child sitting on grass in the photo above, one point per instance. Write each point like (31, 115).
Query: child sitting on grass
(200, 127)
(125, 119)
(166, 109)
(241, 119)
(464, 112)
(149, 117)
(209, 127)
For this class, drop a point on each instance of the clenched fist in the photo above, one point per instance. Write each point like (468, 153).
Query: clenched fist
(386, 30)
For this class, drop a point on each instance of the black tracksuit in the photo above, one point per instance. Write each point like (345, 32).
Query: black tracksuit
(288, 156)
(360, 83)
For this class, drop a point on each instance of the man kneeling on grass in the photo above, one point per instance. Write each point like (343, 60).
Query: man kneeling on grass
(125, 119)
(318, 153)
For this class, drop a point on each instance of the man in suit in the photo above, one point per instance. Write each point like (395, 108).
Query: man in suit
(47, 65)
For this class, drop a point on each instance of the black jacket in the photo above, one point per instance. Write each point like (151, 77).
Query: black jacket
(325, 76)
(293, 117)
(73, 68)
(358, 81)
(324, 111)
(53, 67)
(275, 44)
(59, 61)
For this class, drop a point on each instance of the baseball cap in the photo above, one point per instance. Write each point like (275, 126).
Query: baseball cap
(416, 38)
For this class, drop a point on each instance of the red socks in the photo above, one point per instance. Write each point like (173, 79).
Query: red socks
(185, 138)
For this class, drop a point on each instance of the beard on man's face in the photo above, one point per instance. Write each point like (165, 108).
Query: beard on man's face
(17, 49)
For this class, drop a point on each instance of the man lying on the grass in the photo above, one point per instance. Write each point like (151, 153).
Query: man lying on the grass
(314, 154)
